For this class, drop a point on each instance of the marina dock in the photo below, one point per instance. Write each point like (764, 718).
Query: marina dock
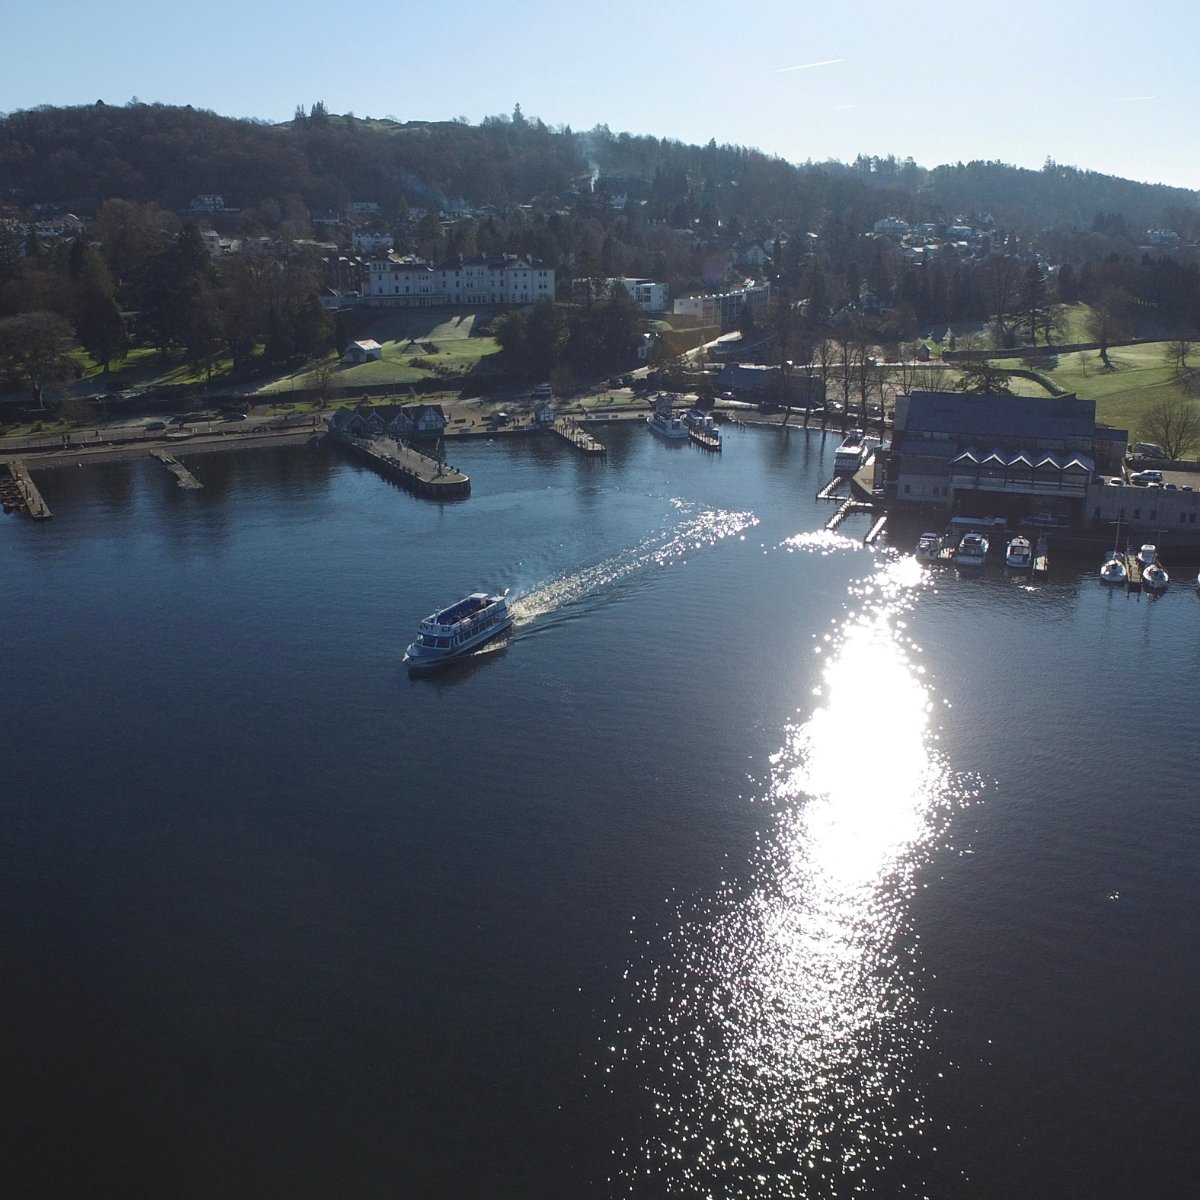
(875, 531)
(417, 472)
(833, 487)
(1133, 572)
(18, 492)
(705, 439)
(183, 476)
(847, 507)
(1041, 556)
(571, 431)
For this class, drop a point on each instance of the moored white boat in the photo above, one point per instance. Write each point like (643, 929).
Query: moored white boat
(1148, 554)
(929, 546)
(972, 551)
(455, 631)
(665, 423)
(1112, 570)
(850, 454)
(1155, 577)
(1019, 554)
(702, 429)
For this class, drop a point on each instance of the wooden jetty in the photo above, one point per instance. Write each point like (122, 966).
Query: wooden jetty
(847, 507)
(183, 476)
(705, 438)
(571, 431)
(1041, 556)
(833, 487)
(19, 492)
(1133, 572)
(417, 472)
(875, 531)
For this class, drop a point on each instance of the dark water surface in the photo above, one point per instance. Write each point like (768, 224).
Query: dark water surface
(755, 863)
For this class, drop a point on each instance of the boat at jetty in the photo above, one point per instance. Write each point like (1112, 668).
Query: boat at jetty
(929, 546)
(1019, 554)
(850, 454)
(665, 423)
(1113, 569)
(453, 632)
(1155, 577)
(972, 551)
(702, 429)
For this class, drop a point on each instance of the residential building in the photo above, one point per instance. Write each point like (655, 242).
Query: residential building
(372, 240)
(407, 282)
(725, 309)
(647, 294)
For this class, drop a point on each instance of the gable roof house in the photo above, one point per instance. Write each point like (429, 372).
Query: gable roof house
(367, 350)
(418, 420)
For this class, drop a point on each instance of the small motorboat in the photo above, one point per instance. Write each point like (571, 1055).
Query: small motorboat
(1019, 554)
(972, 551)
(1155, 577)
(929, 546)
(1148, 554)
(1112, 569)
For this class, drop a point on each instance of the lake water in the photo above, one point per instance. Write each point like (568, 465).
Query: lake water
(755, 863)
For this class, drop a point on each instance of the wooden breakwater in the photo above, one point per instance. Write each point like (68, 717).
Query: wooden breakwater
(412, 470)
(19, 493)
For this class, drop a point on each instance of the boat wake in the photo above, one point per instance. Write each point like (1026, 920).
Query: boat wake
(685, 531)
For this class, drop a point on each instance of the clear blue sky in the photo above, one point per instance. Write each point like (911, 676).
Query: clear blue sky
(1107, 87)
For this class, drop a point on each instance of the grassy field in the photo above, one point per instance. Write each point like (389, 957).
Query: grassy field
(459, 346)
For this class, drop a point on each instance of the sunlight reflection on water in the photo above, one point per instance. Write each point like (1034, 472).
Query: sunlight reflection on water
(777, 1036)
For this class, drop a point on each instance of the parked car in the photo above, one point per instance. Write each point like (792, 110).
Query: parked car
(154, 426)
(1146, 477)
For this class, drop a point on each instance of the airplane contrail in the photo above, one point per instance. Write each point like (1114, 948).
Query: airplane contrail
(1124, 99)
(825, 62)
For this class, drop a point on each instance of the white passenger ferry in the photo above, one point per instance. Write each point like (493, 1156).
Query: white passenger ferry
(452, 632)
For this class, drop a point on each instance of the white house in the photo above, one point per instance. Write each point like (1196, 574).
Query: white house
(372, 240)
(407, 282)
(367, 350)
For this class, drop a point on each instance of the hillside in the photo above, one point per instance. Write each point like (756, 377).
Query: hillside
(151, 153)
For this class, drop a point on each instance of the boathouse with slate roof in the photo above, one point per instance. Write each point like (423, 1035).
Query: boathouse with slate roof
(1006, 454)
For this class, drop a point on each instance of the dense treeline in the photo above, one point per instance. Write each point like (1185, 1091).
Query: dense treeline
(593, 205)
(165, 155)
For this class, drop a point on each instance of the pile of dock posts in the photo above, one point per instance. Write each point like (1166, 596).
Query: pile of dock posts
(19, 493)
(571, 431)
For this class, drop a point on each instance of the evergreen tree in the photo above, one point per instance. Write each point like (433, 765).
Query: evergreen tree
(98, 321)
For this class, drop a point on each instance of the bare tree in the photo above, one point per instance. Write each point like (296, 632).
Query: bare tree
(1002, 281)
(1104, 322)
(1173, 422)
(1177, 352)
